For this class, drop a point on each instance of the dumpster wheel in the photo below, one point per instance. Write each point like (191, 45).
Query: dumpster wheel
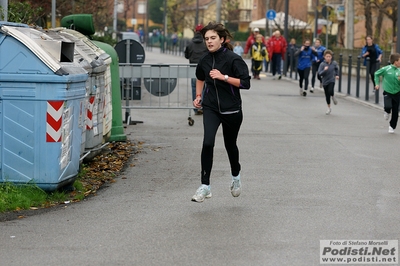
(190, 121)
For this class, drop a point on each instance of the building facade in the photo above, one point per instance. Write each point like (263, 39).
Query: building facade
(243, 12)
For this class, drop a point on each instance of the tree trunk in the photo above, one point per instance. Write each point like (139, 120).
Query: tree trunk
(378, 27)
(368, 17)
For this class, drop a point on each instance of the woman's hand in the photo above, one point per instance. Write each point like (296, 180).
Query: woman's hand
(197, 102)
(215, 74)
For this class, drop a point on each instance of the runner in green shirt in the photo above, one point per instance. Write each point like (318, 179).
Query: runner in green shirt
(391, 89)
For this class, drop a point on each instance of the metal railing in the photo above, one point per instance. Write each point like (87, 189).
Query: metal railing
(157, 86)
(352, 67)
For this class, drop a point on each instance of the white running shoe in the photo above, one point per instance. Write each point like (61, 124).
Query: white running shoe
(236, 186)
(334, 100)
(202, 193)
(386, 115)
(391, 130)
(328, 111)
(312, 89)
(304, 93)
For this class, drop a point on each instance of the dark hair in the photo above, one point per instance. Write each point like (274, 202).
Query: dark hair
(318, 39)
(221, 31)
(328, 52)
(394, 57)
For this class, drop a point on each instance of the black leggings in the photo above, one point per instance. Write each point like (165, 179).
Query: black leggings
(373, 66)
(315, 67)
(329, 92)
(230, 129)
(304, 73)
(257, 67)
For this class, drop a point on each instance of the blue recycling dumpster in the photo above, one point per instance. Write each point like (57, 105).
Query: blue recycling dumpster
(42, 91)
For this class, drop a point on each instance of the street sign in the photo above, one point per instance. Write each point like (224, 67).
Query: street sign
(271, 14)
(326, 11)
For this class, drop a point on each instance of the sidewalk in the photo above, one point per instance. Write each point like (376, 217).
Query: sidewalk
(306, 177)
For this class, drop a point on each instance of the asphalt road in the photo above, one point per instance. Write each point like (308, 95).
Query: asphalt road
(306, 177)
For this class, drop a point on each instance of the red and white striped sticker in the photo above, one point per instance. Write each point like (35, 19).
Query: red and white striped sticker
(89, 113)
(54, 121)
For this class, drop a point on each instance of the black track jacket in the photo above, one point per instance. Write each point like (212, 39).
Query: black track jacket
(218, 94)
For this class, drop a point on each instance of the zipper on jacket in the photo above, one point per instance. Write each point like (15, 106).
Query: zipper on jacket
(215, 84)
(216, 90)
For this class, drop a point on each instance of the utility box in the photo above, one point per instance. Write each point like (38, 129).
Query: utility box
(42, 89)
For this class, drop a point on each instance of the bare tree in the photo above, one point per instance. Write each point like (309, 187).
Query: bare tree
(386, 8)
(367, 8)
(231, 11)
(176, 15)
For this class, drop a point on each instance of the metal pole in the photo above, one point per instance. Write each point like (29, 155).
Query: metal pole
(4, 5)
(367, 80)
(53, 13)
(398, 28)
(146, 30)
(165, 20)
(349, 65)
(316, 20)
(340, 72)
(115, 14)
(358, 76)
(327, 27)
(286, 33)
(73, 6)
(196, 19)
(349, 22)
(218, 15)
(267, 20)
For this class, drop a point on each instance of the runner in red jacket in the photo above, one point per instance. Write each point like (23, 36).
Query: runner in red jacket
(276, 50)
(250, 41)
